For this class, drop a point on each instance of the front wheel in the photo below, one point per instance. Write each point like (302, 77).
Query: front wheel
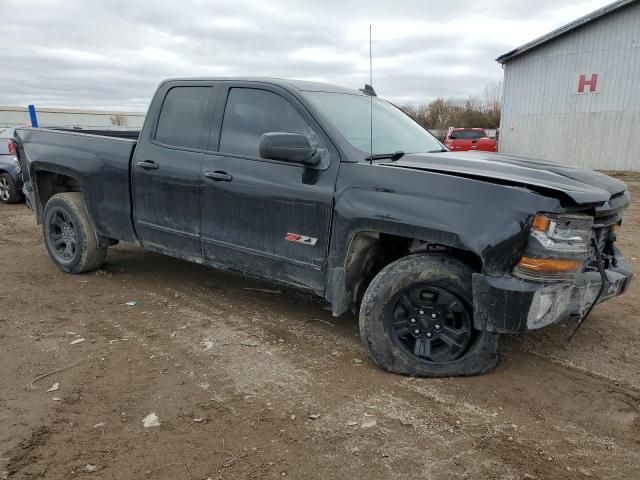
(69, 236)
(416, 319)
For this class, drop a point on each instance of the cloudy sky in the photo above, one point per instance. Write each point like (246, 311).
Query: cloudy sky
(113, 53)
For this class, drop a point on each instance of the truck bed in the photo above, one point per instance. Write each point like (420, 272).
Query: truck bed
(98, 160)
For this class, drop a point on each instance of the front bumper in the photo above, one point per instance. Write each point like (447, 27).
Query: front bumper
(511, 305)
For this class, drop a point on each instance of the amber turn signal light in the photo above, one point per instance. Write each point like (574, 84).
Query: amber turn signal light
(549, 265)
(541, 223)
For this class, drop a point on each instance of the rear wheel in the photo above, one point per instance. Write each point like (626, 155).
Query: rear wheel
(8, 190)
(69, 236)
(416, 319)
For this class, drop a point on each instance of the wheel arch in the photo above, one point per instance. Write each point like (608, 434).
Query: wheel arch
(6, 170)
(366, 251)
(48, 182)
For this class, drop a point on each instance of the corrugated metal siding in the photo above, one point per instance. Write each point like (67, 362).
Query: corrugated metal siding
(544, 117)
(60, 117)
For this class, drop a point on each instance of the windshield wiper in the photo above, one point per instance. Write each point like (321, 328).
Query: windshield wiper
(387, 156)
(438, 151)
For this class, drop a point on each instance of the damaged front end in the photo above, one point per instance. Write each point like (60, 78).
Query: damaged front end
(570, 264)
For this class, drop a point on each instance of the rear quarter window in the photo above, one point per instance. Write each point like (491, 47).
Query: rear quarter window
(182, 117)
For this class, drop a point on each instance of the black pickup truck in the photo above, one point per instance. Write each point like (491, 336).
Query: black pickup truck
(290, 181)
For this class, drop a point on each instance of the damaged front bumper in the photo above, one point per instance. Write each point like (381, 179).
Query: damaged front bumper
(511, 305)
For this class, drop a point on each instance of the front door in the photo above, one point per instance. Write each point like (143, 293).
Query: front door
(266, 217)
(166, 170)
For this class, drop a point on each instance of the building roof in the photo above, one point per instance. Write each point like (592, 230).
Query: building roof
(564, 29)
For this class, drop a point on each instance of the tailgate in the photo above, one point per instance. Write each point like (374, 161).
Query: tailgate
(462, 145)
(486, 144)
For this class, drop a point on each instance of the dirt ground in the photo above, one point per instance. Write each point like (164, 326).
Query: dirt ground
(249, 380)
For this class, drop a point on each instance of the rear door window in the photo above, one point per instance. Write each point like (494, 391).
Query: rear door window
(250, 113)
(182, 117)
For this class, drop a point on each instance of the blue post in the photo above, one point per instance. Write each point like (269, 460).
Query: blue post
(32, 115)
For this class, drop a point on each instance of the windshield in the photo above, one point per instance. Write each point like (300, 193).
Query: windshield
(393, 130)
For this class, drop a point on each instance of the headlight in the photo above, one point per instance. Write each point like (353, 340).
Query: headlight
(557, 248)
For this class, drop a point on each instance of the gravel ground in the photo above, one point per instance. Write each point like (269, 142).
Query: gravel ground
(248, 380)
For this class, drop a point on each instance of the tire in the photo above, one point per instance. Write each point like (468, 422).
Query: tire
(69, 236)
(405, 296)
(9, 192)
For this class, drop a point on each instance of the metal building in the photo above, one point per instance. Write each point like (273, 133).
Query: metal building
(62, 117)
(573, 95)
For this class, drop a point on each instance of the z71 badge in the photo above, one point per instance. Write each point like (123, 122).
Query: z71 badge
(295, 238)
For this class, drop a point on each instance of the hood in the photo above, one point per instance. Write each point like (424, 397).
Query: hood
(580, 184)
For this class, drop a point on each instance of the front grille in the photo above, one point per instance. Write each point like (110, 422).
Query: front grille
(602, 235)
(606, 217)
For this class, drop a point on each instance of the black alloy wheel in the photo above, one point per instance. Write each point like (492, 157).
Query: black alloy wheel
(416, 318)
(431, 323)
(62, 235)
(5, 189)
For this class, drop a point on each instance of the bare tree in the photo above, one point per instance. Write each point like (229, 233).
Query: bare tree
(472, 111)
(493, 102)
(118, 120)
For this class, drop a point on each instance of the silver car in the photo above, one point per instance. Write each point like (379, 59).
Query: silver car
(10, 172)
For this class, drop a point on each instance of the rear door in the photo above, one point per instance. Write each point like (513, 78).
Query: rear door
(166, 168)
(266, 217)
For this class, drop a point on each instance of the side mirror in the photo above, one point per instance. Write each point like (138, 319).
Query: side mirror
(452, 137)
(288, 147)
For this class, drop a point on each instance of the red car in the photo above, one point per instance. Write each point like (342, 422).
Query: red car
(462, 139)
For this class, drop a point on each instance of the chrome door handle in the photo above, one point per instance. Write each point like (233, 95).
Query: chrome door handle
(218, 176)
(149, 165)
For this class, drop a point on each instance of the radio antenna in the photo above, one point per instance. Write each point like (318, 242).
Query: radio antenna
(371, 100)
